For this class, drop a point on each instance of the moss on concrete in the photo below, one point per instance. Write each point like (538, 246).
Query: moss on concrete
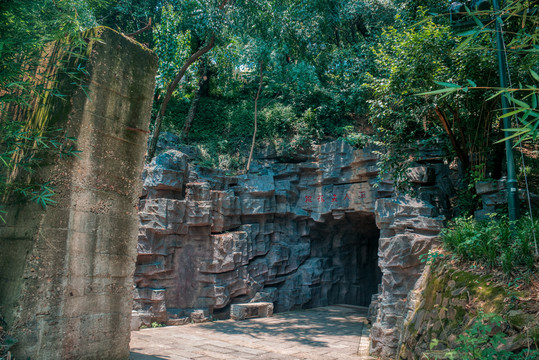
(70, 287)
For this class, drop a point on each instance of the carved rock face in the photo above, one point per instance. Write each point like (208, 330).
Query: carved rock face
(299, 235)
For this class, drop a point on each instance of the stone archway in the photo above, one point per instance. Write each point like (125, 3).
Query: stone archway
(348, 245)
(297, 235)
(292, 234)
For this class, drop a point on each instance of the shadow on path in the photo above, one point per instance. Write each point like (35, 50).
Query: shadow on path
(302, 326)
(139, 356)
(332, 332)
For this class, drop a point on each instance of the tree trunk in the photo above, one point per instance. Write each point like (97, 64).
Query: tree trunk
(460, 153)
(170, 90)
(194, 103)
(256, 117)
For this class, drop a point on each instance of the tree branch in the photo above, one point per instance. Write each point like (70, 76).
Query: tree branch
(194, 103)
(256, 116)
(172, 86)
(460, 153)
(148, 26)
(170, 90)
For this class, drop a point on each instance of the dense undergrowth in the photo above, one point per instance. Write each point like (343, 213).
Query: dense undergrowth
(504, 253)
(474, 313)
(495, 242)
(223, 128)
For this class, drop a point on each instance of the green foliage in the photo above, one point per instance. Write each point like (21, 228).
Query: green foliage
(172, 45)
(495, 242)
(416, 56)
(128, 16)
(26, 29)
(314, 57)
(22, 150)
(356, 139)
(223, 128)
(430, 257)
(281, 127)
(481, 342)
(520, 19)
(409, 59)
(31, 67)
(467, 200)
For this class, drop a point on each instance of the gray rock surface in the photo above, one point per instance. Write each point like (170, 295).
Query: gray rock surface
(408, 229)
(298, 235)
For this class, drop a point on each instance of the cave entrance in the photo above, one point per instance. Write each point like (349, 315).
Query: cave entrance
(348, 245)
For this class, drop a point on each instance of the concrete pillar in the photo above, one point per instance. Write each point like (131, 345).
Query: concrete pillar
(66, 273)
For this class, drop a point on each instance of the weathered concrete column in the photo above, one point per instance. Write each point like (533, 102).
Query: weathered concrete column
(66, 273)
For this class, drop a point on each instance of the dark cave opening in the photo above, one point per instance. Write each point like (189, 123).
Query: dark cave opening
(348, 244)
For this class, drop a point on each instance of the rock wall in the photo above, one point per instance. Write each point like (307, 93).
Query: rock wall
(66, 273)
(208, 240)
(448, 300)
(408, 229)
(311, 232)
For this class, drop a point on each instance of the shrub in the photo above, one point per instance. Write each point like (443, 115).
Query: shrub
(480, 342)
(496, 242)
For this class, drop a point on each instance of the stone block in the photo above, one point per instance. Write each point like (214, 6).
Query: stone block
(136, 321)
(198, 213)
(421, 175)
(269, 294)
(167, 171)
(489, 187)
(198, 315)
(251, 310)
(197, 191)
(494, 199)
(258, 185)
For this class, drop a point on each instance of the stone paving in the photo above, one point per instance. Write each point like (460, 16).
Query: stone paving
(332, 332)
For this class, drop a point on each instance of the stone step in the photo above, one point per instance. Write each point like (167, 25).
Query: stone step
(251, 310)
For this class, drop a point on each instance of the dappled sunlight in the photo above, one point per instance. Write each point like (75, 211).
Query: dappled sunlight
(336, 332)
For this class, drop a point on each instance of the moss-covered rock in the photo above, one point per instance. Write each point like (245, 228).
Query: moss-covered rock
(450, 302)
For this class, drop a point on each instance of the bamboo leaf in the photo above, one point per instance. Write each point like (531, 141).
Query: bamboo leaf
(510, 113)
(477, 22)
(520, 140)
(517, 102)
(439, 91)
(463, 44)
(512, 136)
(467, 33)
(448, 84)
(496, 95)
(535, 126)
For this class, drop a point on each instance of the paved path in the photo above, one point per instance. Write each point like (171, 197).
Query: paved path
(333, 332)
